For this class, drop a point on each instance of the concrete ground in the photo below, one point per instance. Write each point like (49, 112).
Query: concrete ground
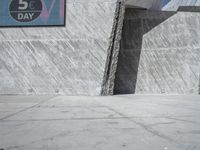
(100, 123)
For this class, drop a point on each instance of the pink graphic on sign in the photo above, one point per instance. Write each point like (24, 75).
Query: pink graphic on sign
(46, 12)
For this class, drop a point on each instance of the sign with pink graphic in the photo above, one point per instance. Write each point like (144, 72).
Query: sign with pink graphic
(30, 13)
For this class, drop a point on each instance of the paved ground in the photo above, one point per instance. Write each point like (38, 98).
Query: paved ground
(100, 123)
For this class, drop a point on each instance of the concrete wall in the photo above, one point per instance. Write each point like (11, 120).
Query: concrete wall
(113, 51)
(81, 58)
(160, 53)
(67, 60)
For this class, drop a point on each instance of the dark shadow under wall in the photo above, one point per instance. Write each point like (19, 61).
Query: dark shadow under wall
(136, 24)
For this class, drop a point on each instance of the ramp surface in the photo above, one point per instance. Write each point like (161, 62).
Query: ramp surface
(88, 123)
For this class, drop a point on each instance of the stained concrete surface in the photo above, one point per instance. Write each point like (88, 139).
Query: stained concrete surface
(87, 123)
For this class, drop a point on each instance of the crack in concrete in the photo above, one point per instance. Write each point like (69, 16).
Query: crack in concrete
(145, 127)
(88, 118)
(25, 109)
(161, 123)
(183, 120)
(40, 140)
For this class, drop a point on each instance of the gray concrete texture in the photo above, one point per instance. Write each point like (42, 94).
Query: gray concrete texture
(100, 123)
(79, 59)
(82, 58)
(160, 53)
(67, 60)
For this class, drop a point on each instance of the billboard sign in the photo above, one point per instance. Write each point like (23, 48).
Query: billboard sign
(30, 13)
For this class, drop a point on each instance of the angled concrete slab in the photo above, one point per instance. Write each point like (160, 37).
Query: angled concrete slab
(67, 60)
(82, 58)
(78, 59)
(159, 53)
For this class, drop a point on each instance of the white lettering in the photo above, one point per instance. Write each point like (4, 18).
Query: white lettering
(25, 16)
(20, 16)
(31, 15)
